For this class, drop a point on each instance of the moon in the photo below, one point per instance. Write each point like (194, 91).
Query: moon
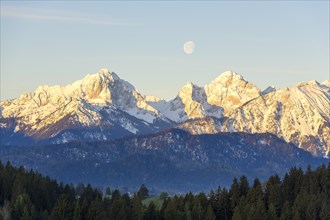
(189, 47)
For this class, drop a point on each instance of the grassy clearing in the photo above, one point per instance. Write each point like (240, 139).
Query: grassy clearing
(155, 199)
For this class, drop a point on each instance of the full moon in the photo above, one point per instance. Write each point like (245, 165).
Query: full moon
(189, 47)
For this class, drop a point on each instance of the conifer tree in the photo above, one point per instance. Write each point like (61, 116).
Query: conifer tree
(84, 209)
(5, 210)
(210, 213)
(96, 211)
(119, 210)
(203, 201)
(187, 212)
(224, 211)
(137, 208)
(325, 210)
(273, 193)
(23, 208)
(108, 191)
(255, 202)
(151, 212)
(243, 186)
(115, 195)
(286, 213)
(143, 192)
(260, 210)
(76, 213)
(271, 213)
(18, 186)
(237, 215)
(300, 206)
(234, 193)
(197, 211)
(62, 209)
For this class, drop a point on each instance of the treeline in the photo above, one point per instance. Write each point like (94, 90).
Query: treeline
(300, 195)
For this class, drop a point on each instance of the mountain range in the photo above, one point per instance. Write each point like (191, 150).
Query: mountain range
(103, 107)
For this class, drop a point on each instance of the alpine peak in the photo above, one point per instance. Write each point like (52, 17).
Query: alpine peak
(326, 83)
(189, 85)
(230, 90)
(106, 73)
(310, 83)
(313, 82)
(228, 75)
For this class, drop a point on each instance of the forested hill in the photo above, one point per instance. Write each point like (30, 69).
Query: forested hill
(169, 160)
(299, 195)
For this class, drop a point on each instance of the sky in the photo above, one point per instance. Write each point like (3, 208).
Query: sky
(58, 42)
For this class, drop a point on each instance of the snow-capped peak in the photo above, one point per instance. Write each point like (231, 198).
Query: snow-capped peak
(188, 87)
(326, 83)
(313, 82)
(230, 90)
(186, 92)
(228, 75)
(106, 73)
(85, 102)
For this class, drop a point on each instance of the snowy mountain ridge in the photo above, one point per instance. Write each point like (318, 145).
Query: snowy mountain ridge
(102, 106)
(299, 114)
(88, 103)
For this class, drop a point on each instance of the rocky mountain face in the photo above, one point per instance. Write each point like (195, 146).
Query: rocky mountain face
(98, 107)
(168, 160)
(191, 102)
(103, 106)
(299, 114)
(226, 92)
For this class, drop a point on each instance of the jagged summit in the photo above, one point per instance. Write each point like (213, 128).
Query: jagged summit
(230, 90)
(312, 82)
(102, 76)
(101, 105)
(228, 75)
(91, 87)
(188, 86)
(106, 73)
(326, 83)
(223, 78)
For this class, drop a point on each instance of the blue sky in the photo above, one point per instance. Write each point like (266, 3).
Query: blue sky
(57, 42)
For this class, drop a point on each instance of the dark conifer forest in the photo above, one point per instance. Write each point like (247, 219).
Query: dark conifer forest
(298, 195)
